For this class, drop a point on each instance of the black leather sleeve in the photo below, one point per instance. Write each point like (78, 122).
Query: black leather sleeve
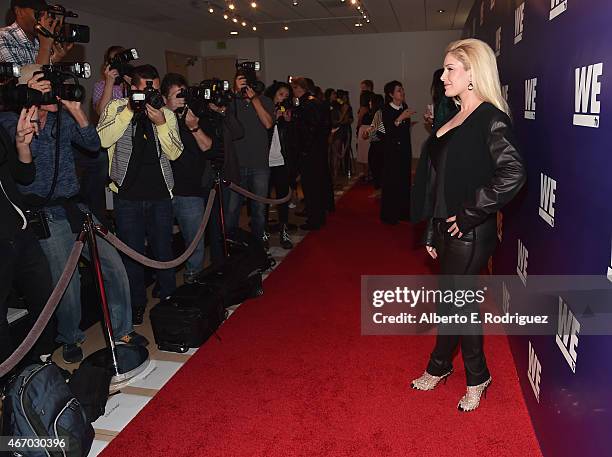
(428, 235)
(508, 176)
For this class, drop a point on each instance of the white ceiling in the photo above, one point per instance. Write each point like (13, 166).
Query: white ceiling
(191, 19)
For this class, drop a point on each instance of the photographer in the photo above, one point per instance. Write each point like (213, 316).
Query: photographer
(283, 160)
(23, 262)
(312, 131)
(255, 112)
(189, 170)
(53, 197)
(142, 139)
(112, 86)
(22, 44)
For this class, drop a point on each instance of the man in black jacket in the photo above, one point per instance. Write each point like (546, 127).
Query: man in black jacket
(23, 261)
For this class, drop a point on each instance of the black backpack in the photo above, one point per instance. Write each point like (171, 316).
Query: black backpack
(38, 402)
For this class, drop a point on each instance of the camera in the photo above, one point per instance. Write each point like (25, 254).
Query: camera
(58, 74)
(9, 70)
(198, 97)
(285, 105)
(248, 70)
(149, 95)
(68, 33)
(120, 62)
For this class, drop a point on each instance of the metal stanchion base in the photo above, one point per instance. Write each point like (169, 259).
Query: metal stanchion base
(132, 361)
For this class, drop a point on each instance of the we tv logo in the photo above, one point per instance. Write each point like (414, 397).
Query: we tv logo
(548, 186)
(530, 98)
(557, 7)
(534, 372)
(519, 19)
(521, 268)
(588, 88)
(567, 334)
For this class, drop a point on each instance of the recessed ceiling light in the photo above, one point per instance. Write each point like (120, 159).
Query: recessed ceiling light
(441, 11)
(243, 24)
(253, 4)
(225, 16)
(233, 32)
(368, 21)
(295, 3)
(231, 6)
(286, 28)
(254, 28)
(210, 10)
(353, 2)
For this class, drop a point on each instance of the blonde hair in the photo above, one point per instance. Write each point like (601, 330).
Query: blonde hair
(478, 57)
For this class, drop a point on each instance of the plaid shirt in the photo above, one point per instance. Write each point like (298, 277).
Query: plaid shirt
(16, 47)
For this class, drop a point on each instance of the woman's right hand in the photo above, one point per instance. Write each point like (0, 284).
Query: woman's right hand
(110, 75)
(432, 252)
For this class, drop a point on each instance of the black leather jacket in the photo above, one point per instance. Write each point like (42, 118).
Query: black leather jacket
(484, 171)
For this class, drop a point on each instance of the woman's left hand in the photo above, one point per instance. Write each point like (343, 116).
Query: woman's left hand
(454, 229)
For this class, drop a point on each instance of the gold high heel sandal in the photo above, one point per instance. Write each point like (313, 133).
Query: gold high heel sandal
(428, 381)
(471, 399)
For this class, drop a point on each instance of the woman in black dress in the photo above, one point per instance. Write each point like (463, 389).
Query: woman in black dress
(470, 168)
(395, 200)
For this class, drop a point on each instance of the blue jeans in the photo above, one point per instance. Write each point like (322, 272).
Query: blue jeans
(56, 249)
(137, 220)
(255, 180)
(189, 212)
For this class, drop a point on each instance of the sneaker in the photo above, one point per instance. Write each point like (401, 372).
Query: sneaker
(72, 353)
(133, 338)
(265, 239)
(138, 315)
(285, 239)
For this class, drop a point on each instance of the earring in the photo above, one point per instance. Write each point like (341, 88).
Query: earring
(470, 86)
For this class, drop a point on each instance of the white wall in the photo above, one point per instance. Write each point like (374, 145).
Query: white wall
(342, 62)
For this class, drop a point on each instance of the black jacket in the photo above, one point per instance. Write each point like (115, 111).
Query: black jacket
(311, 126)
(484, 171)
(11, 171)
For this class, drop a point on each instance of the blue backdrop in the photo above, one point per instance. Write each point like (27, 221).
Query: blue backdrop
(555, 61)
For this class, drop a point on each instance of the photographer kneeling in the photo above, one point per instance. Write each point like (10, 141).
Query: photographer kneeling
(142, 138)
(52, 198)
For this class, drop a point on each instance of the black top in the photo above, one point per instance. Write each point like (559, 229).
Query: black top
(11, 170)
(396, 136)
(483, 171)
(144, 179)
(189, 168)
(438, 149)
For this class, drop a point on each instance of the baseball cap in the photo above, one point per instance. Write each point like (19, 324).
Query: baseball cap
(36, 5)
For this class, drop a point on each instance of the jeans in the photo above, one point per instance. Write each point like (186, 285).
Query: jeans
(93, 180)
(256, 181)
(137, 220)
(57, 249)
(24, 264)
(189, 212)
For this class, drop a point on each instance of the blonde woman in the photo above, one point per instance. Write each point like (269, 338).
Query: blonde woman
(470, 168)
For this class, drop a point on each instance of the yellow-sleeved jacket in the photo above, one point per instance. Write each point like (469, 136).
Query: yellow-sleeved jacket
(115, 130)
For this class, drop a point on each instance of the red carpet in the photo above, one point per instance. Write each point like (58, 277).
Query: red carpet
(292, 375)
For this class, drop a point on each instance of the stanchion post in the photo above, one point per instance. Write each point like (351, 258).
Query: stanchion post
(89, 229)
(219, 196)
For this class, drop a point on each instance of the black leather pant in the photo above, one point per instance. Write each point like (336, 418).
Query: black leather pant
(462, 256)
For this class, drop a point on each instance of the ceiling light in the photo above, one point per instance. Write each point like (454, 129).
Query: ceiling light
(368, 21)
(441, 11)
(210, 10)
(225, 16)
(243, 24)
(358, 7)
(235, 20)
(233, 32)
(353, 2)
(286, 28)
(231, 6)
(254, 28)
(253, 4)
(295, 2)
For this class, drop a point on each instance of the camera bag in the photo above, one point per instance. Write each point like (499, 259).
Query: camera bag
(187, 318)
(38, 403)
(238, 276)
